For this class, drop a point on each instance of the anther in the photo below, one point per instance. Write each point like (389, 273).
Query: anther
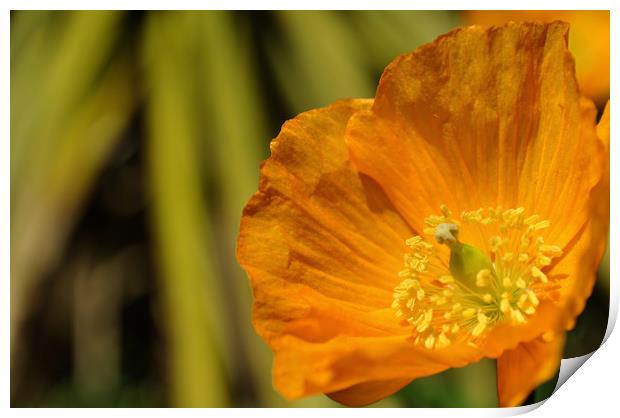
(537, 274)
(483, 278)
(468, 313)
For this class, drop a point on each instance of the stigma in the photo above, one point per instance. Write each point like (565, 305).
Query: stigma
(446, 233)
(455, 291)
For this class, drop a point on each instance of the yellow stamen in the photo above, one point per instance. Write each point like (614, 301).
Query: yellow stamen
(442, 341)
(430, 341)
(537, 274)
(542, 225)
(458, 300)
(478, 329)
(468, 313)
(483, 278)
(446, 279)
(504, 305)
(532, 297)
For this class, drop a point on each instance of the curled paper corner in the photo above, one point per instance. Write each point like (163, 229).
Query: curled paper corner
(569, 366)
(519, 410)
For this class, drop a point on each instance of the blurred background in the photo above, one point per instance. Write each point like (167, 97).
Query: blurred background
(135, 142)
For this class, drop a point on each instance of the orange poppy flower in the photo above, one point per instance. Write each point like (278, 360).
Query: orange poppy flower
(589, 41)
(460, 214)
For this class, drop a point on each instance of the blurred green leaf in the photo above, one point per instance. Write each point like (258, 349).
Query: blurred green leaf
(59, 144)
(389, 33)
(235, 130)
(235, 117)
(321, 61)
(472, 386)
(52, 76)
(189, 289)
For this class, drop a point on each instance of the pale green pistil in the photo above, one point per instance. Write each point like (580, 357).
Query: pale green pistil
(466, 261)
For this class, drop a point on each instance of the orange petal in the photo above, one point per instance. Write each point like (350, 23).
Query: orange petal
(315, 226)
(507, 337)
(589, 40)
(304, 367)
(366, 393)
(521, 370)
(322, 245)
(483, 118)
(585, 254)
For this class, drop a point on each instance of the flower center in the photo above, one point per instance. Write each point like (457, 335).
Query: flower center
(457, 292)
